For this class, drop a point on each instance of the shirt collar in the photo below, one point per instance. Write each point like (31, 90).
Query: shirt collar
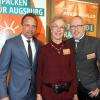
(25, 39)
(77, 40)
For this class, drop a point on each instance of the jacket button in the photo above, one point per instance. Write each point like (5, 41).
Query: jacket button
(29, 79)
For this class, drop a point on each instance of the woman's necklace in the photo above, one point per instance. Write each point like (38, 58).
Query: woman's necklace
(58, 49)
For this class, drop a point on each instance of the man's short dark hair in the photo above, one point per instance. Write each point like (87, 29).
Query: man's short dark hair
(29, 15)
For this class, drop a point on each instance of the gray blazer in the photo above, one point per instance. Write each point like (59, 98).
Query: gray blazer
(14, 58)
(87, 55)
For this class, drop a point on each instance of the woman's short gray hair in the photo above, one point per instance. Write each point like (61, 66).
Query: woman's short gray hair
(63, 18)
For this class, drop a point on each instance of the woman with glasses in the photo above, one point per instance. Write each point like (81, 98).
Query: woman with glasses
(56, 74)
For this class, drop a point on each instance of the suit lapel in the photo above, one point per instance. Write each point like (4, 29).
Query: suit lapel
(24, 53)
(86, 44)
(83, 45)
(22, 49)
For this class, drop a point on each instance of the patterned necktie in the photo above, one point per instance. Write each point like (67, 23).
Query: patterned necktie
(29, 52)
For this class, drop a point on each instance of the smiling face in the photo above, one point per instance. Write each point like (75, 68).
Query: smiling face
(58, 29)
(29, 27)
(77, 27)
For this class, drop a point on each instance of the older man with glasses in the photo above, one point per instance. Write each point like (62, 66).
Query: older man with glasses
(87, 50)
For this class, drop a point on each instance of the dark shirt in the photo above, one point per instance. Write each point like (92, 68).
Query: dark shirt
(54, 67)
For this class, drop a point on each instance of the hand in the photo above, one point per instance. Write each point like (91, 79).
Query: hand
(75, 97)
(94, 93)
(39, 97)
(6, 98)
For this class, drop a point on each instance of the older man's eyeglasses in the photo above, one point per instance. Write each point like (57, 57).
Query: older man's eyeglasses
(76, 26)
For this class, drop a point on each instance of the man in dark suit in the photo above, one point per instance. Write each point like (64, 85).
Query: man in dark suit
(19, 55)
(87, 51)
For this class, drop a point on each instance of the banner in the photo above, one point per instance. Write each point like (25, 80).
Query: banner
(11, 12)
(86, 10)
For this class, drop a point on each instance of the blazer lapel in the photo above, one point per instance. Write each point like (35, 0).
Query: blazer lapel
(86, 43)
(22, 49)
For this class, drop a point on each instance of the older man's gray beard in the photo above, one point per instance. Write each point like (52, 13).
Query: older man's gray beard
(80, 34)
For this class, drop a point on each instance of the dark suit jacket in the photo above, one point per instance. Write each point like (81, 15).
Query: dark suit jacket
(14, 57)
(87, 55)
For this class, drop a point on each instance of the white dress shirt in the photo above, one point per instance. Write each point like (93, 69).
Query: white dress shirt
(78, 40)
(26, 46)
